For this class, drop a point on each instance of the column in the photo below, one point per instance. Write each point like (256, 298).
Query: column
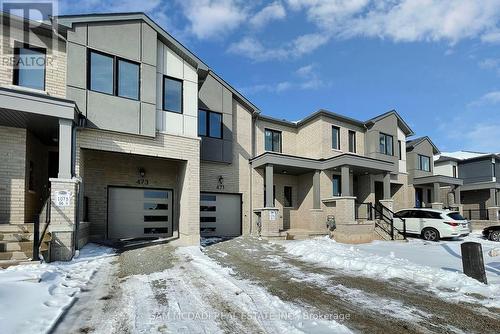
(436, 200)
(316, 190)
(387, 186)
(458, 199)
(493, 197)
(345, 184)
(269, 187)
(65, 144)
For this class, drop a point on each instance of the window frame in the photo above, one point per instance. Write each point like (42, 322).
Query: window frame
(115, 69)
(353, 133)
(15, 73)
(163, 94)
(400, 149)
(339, 178)
(272, 141)
(207, 123)
(420, 156)
(454, 171)
(338, 137)
(385, 135)
(290, 202)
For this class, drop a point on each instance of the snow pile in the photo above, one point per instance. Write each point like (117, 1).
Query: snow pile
(34, 296)
(461, 155)
(199, 296)
(389, 260)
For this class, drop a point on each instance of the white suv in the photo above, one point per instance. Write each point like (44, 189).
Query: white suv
(432, 224)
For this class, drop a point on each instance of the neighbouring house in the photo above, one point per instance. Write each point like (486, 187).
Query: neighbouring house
(480, 190)
(121, 132)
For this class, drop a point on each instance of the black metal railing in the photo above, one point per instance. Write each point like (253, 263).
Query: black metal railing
(44, 219)
(385, 221)
(476, 214)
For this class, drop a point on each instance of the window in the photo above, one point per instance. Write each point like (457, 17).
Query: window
(424, 163)
(172, 95)
(455, 171)
(335, 137)
(337, 191)
(209, 124)
(149, 219)
(352, 141)
(113, 75)
(429, 196)
(155, 206)
(456, 216)
(272, 140)
(386, 144)
(211, 208)
(288, 196)
(400, 150)
(208, 198)
(29, 67)
(208, 219)
(128, 79)
(155, 194)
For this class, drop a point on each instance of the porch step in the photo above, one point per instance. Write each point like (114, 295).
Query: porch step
(9, 246)
(16, 228)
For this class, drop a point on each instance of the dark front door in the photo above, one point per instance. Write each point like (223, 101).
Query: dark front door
(419, 197)
(379, 195)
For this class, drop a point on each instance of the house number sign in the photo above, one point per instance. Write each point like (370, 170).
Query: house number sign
(63, 198)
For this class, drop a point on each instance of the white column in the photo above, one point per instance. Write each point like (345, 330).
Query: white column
(269, 187)
(346, 189)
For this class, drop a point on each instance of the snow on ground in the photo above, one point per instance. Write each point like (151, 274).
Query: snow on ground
(437, 266)
(198, 295)
(34, 296)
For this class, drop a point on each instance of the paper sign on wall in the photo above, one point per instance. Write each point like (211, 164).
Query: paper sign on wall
(63, 198)
(272, 215)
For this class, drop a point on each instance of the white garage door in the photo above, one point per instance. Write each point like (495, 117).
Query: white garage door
(139, 212)
(220, 215)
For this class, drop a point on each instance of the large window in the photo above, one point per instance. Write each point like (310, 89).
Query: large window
(386, 144)
(29, 67)
(455, 174)
(352, 141)
(400, 150)
(287, 191)
(272, 140)
(172, 94)
(424, 163)
(113, 75)
(209, 124)
(335, 137)
(336, 185)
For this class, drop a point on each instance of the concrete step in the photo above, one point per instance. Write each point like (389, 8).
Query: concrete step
(15, 255)
(16, 228)
(8, 263)
(7, 236)
(9, 246)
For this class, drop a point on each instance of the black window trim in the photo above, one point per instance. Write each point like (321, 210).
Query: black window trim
(338, 137)
(163, 94)
(116, 59)
(207, 123)
(349, 133)
(15, 74)
(392, 141)
(420, 156)
(281, 140)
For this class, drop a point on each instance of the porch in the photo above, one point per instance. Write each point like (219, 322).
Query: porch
(306, 193)
(428, 192)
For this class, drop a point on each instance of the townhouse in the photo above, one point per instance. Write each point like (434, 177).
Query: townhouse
(480, 191)
(121, 132)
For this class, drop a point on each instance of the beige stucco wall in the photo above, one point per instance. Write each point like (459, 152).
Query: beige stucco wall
(12, 174)
(237, 174)
(185, 151)
(55, 72)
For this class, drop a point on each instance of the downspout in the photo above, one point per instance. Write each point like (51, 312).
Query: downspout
(80, 124)
(254, 117)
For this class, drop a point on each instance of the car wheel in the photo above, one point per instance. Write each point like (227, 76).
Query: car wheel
(430, 234)
(494, 236)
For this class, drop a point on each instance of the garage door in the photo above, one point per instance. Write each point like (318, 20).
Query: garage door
(139, 212)
(220, 215)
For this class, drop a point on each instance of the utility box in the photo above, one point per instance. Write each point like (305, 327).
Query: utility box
(472, 261)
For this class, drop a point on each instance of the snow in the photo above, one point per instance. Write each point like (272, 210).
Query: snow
(435, 266)
(461, 155)
(34, 296)
(204, 297)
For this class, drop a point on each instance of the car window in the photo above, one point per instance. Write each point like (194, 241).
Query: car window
(433, 215)
(456, 216)
(402, 214)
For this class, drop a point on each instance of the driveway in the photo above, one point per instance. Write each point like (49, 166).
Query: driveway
(253, 286)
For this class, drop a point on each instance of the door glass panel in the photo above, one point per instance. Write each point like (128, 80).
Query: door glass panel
(156, 218)
(155, 194)
(155, 206)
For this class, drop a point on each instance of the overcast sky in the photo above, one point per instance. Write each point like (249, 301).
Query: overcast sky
(437, 62)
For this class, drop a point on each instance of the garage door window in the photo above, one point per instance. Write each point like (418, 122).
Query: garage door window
(208, 219)
(208, 198)
(155, 206)
(211, 208)
(155, 218)
(155, 194)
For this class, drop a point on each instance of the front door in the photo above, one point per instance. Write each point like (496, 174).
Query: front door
(419, 197)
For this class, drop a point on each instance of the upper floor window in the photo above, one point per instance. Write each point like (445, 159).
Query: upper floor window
(272, 140)
(335, 137)
(455, 174)
(209, 124)
(113, 75)
(29, 67)
(352, 141)
(424, 163)
(386, 144)
(400, 150)
(172, 94)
